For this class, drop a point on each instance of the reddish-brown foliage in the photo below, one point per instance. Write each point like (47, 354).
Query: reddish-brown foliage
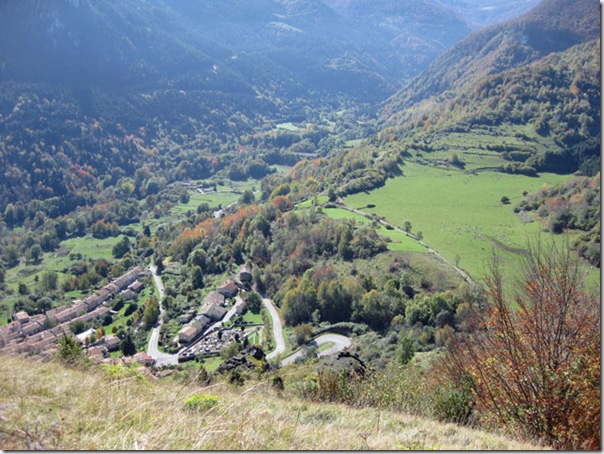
(538, 367)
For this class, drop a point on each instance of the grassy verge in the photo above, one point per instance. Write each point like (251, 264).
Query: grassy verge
(252, 317)
(211, 363)
(268, 341)
(325, 346)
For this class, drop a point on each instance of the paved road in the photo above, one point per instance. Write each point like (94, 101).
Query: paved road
(277, 329)
(162, 358)
(340, 343)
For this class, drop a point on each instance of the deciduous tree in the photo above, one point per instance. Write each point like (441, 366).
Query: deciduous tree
(536, 364)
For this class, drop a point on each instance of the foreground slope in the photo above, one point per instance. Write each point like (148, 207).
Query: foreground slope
(71, 409)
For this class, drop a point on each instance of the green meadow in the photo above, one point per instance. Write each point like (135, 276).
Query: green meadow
(213, 199)
(399, 241)
(30, 274)
(289, 126)
(459, 214)
(88, 247)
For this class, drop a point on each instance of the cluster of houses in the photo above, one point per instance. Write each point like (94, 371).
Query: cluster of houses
(213, 308)
(38, 334)
(212, 343)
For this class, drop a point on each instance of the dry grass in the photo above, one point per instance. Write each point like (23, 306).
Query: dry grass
(44, 405)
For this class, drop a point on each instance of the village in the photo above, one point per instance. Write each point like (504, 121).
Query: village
(38, 335)
(203, 332)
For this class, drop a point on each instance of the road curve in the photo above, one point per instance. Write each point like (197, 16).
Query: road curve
(341, 343)
(277, 329)
(162, 358)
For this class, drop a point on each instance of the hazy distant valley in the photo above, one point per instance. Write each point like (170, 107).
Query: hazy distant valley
(301, 201)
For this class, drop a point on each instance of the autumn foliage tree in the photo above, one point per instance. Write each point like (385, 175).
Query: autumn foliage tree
(536, 366)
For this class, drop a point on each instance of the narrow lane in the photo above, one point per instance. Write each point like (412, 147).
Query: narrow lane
(162, 358)
(277, 329)
(341, 343)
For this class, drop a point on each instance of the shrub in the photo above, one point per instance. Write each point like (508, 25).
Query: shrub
(538, 367)
(121, 371)
(70, 352)
(453, 402)
(201, 402)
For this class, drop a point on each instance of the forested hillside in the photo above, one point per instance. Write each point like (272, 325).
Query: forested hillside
(367, 204)
(552, 26)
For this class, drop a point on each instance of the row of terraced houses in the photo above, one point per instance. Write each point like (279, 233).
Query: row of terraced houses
(38, 334)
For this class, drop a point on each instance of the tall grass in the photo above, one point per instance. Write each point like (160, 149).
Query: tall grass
(45, 405)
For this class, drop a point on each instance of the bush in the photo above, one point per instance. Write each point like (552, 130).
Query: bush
(453, 402)
(70, 352)
(120, 371)
(201, 402)
(537, 366)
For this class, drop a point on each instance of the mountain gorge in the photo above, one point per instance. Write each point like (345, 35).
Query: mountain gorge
(163, 80)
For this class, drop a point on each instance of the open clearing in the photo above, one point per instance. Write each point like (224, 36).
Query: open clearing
(400, 241)
(459, 214)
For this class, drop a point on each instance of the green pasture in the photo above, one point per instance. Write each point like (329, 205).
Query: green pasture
(89, 247)
(471, 146)
(441, 274)
(399, 241)
(289, 126)
(315, 201)
(353, 143)
(254, 337)
(341, 213)
(252, 318)
(459, 214)
(213, 199)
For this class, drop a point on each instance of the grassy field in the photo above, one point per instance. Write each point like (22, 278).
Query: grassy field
(211, 363)
(30, 274)
(254, 337)
(399, 241)
(85, 410)
(214, 200)
(471, 146)
(92, 248)
(289, 126)
(252, 317)
(442, 275)
(459, 214)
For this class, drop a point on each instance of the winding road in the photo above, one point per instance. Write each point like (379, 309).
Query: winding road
(162, 359)
(340, 343)
(277, 329)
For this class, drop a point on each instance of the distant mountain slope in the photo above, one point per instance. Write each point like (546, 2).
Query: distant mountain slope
(419, 30)
(301, 46)
(481, 13)
(91, 90)
(533, 81)
(552, 26)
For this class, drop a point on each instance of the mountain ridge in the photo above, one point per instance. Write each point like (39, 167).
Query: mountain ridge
(552, 26)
